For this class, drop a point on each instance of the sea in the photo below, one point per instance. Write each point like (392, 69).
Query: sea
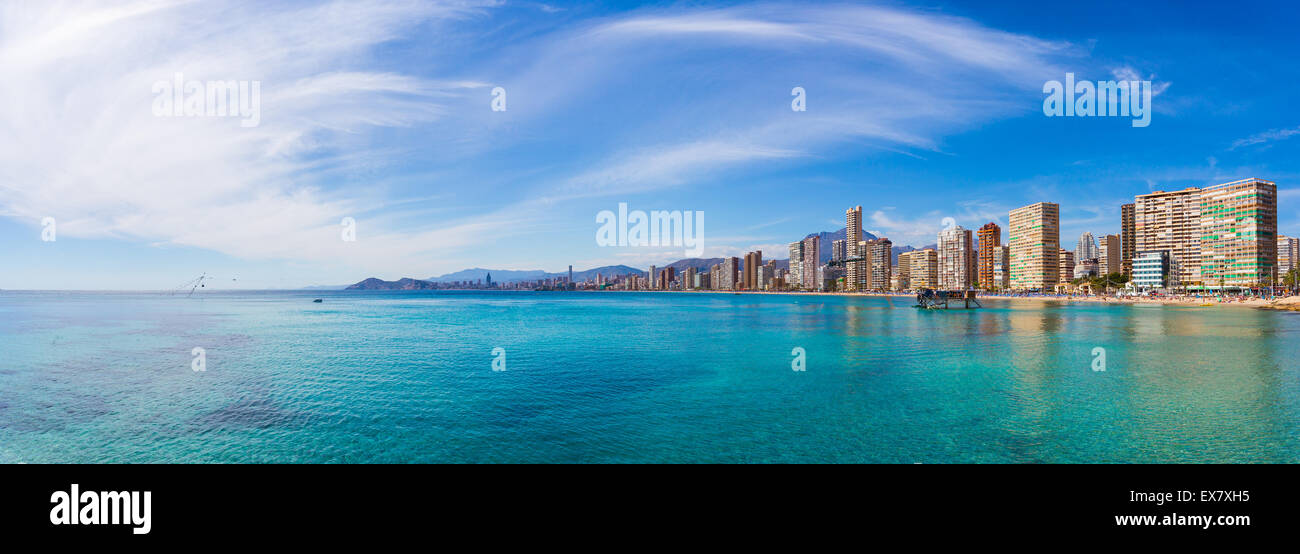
(627, 377)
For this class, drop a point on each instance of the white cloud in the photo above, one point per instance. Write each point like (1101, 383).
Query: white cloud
(1266, 136)
(81, 143)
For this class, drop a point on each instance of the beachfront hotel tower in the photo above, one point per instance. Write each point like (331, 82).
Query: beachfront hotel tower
(1239, 234)
(1001, 268)
(990, 241)
(881, 256)
(1110, 258)
(1067, 265)
(796, 265)
(1171, 221)
(1288, 252)
(1127, 238)
(956, 253)
(902, 277)
(856, 272)
(753, 261)
(811, 263)
(1034, 235)
(925, 268)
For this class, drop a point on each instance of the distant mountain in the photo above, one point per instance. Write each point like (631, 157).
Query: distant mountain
(405, 283)
(824, 241)
(700, 264)
(512, 276)
(498, 275)
(604, 271)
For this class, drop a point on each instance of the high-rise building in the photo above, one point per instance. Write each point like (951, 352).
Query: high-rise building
(1288, 255)
(852, 228)
(571, 284)
(666, 277)
(1110, 257)
(1239, 234)
(990, 241)
(753, 261)
(1034, 235)
(688, 279)
(856, 272)
(1086, 249)
(1127, 238)
(1171, 221)
(811, 263)
(839, 250)
(796, 263)
(956, 251)
(653, 277)
(925, 268)
(902, 277)
(1001, 268)
(881, 255)
(730, 272)
(1067, 265)
(861, 268)
(1150, 270)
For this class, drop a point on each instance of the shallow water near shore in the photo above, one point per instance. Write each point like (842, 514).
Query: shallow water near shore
(638, 377)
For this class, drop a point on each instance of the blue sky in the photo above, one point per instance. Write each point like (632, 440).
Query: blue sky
(382, 112)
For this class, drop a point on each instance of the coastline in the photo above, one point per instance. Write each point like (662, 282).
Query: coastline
(1290, 303)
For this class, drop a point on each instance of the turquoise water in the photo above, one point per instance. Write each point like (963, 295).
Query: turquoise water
(637, 377)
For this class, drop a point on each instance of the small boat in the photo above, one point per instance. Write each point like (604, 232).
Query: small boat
(318, 300)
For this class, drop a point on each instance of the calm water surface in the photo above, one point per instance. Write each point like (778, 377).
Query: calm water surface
(637, 377)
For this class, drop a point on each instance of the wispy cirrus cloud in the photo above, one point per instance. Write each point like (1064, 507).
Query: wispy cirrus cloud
(81, 144)
(1272, 135)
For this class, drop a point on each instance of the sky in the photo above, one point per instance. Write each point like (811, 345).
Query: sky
(382, 114)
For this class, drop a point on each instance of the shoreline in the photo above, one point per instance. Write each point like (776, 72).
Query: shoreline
(1289, 303)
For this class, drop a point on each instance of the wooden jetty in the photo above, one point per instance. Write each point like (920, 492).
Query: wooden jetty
(945, 299)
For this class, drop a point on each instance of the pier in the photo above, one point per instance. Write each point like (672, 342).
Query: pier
(941, 299)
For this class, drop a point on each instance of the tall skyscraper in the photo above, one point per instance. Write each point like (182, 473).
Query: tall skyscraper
(653, 277)
(1001, 268)
(925, 269)
(856, 272)
(1171, 221)
(1034, 235)
(839, 250)
(1239, 234)
(796, 265)
(1067, 265)
(753, 261)
(811, 263)
(572, 285)
(956, 254)
(990, 240)
(902, 278)
(1288, 255)
(881, 255)
(730, 270)
(1086, 248)
(1110, 256)
(1127, 238)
